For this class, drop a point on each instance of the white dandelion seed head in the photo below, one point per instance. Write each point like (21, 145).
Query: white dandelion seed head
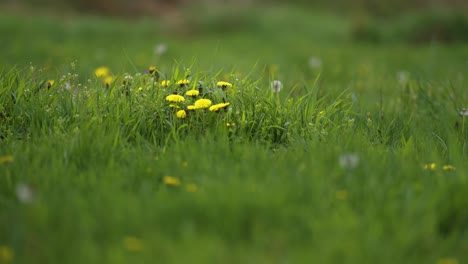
(276, 86)
(402, 77)
(315, 63)
(348, 160)
(25, 193)
(464, 112)
(160, 49)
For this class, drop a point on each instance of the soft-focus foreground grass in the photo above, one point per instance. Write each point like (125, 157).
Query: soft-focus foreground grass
(335, 168)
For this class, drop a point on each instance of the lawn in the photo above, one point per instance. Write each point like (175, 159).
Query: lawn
(360, 157)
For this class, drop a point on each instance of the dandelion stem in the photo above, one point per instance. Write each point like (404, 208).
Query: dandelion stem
(463, 125)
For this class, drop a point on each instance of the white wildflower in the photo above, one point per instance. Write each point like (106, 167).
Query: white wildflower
(464, 112)
(160, 49)
(315, 63)
(402, 77)
(276, 86)
(349, 160)
(25, 193)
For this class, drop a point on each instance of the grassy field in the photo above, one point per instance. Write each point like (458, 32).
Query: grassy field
(360, 158)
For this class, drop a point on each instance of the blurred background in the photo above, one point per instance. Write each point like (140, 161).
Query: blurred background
(280, 37)
(161, 7)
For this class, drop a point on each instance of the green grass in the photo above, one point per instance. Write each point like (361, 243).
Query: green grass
(269, 189)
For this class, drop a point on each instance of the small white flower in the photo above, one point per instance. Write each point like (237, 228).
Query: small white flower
(276, 86)
(348, 160)
(160, 49)
(402, 77)
(464, 112)
(25, 193)
(315, 63)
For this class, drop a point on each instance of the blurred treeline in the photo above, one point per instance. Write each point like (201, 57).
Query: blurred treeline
(154, 7)
(378, 21)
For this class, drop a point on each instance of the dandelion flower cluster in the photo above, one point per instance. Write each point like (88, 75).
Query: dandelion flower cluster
(165, 83)
(183, 82)
(448, 167)
(175, 98)
(433, 166)
(102, 72)
(50, 83)
(192, 93)
(6, 159)
(171, 181)
(133, 244)
(178, 97)
(430, 166)
(223, 84)
(202, 103)
(191, 187)
(6, 254)
(448, 261)
(217, 107)
(181, 114)
(341, 195)
(108, 80)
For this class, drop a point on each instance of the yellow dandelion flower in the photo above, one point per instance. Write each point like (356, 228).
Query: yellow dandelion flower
(191, 187)
(6, 159)
(151, 69)
(165, 83)
(50, 83)
(202, 103)
(6, 254)
(181, 114)
(140, 88)
(102, 72)
(175, 98)
(174, 106)
(216, 107)
(223, 84)
(192, 93)
(341, 195)
(133, 244)
(448, 261)
(448, 167)
(190, 107)
(183, 82)
(108, 80)
(430, 166)
(171, 181)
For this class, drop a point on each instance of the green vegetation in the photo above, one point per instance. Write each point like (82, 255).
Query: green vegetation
(359, 158)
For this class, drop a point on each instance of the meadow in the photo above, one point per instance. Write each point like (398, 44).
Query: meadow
(276, 138)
